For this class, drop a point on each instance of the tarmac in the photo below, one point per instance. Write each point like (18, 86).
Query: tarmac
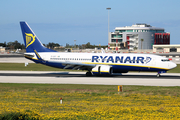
(50, 77)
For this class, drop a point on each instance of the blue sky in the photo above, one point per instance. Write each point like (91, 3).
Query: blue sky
(63, 21)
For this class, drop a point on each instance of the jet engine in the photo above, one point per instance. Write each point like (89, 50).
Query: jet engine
(102, 69)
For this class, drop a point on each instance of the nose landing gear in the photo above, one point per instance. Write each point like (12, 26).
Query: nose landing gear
(158, 75)
(159, 72)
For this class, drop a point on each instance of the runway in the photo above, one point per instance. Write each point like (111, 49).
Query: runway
(50, 77)
(14, 60)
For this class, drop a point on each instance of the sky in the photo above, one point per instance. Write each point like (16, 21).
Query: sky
(63, 21)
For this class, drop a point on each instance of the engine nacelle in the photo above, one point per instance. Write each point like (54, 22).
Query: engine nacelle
(102, 69)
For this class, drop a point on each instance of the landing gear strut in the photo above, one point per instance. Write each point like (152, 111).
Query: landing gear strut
(159, 72)
(158, 75)
(88, 73)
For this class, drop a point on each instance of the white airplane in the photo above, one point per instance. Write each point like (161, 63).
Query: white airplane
(94, 63)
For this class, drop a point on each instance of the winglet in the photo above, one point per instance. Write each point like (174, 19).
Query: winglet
(37, 55)
(102, 50)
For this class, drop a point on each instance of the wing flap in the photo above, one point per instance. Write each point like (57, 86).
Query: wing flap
(76, 65)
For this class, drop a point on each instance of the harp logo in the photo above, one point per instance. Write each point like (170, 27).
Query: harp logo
(148, 59)
(30, 38)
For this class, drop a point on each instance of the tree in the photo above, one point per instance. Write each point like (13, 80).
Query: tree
(88, 45)
(51, 45)
(135, 48)
(23, 46)
(10, 45)
(15, 45)
(3, 44)
(70, 46)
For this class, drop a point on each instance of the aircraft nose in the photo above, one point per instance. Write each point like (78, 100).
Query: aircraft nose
(172, 65)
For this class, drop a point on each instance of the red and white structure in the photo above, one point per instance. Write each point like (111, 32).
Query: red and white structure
(138, 36)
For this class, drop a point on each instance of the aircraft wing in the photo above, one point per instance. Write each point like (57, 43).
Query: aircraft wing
(76, 65)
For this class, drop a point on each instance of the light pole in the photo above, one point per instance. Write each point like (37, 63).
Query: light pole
(108, 21)
(74, 43)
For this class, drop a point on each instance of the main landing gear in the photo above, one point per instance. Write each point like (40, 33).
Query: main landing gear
(88, 73)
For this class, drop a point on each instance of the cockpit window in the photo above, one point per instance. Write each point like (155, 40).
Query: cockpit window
(165, 60)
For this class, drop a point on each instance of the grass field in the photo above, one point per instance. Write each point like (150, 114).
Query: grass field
(30, 67)
(42, 101)
(40, 67)
(88, 102)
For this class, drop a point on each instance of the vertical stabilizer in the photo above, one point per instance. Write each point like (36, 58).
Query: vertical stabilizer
(31, 41)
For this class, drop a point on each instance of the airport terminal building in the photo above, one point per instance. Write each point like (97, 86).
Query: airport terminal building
(138, 36)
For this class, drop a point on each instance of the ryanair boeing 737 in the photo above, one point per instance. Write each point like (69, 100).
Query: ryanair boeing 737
(94, 63)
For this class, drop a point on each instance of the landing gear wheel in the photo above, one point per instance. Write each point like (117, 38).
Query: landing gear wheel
(88, 74)
(158, 75)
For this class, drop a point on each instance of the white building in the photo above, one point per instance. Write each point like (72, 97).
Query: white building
(2, 49)
(166, 48)
(138, 36)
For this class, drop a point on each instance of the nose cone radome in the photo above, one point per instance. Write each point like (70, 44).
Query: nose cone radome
(172, 65)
